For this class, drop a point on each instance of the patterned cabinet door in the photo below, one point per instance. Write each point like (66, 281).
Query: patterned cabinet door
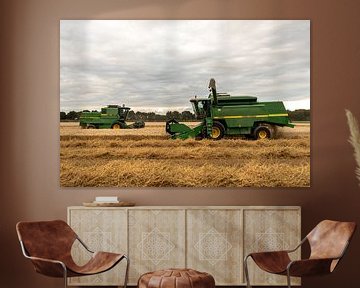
(156, 240)
(270, 230)
(101, 230)
(214, 244)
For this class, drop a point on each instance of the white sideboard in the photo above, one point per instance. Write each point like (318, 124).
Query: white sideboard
(211, 239)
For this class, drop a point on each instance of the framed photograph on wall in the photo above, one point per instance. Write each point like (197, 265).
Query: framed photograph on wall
(185, 103)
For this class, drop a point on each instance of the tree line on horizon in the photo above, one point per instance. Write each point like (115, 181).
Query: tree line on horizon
(296, 115)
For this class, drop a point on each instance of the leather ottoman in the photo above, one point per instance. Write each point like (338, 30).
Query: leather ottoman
(176, 278)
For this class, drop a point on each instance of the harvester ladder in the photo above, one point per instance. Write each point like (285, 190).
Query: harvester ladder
(209, 124)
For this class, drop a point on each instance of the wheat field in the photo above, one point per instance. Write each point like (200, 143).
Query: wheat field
(148, 158)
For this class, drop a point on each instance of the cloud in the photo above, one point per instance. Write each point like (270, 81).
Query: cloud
(148, 64)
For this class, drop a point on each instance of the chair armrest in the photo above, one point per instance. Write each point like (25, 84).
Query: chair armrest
(309, 267)
(46, 260)
(268, 253)
(48, 267)
(298, 246)
(281, 251)
(84, 245)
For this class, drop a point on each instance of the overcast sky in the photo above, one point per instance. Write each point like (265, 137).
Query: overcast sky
(159, 65)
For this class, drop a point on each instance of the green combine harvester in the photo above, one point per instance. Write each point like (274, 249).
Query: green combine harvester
(224, 115)
(112, 116)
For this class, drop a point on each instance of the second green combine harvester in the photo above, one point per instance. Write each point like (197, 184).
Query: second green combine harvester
(112, 116)
(222, 114)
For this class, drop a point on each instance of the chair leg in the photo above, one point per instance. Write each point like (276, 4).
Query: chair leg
(65, 276)
(246, 272)
(288, 278)
(127, 271)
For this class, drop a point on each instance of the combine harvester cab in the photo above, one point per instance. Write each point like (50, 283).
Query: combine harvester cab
(224, 115)
(112, 116)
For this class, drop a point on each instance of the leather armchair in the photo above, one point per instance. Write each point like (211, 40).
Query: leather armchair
(328, 242)
(48, 245)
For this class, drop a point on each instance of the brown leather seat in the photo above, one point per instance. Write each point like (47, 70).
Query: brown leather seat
(176, 278)
(48, 245)
(328, 242)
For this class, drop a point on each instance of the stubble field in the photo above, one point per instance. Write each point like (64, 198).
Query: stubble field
(147, 157)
